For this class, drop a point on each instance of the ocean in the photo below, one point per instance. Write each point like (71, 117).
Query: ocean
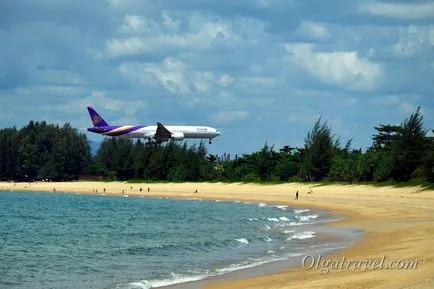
(61, 240)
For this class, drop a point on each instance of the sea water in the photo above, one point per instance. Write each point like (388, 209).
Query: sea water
(93, 241)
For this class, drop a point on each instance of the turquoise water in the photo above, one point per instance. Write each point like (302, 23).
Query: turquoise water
(87, 241)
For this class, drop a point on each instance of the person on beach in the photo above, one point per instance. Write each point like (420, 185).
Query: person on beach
(140, 189)
(296, 195)
(148, 190)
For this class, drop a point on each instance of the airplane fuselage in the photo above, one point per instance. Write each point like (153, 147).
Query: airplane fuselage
(154, 133)
(178, 132)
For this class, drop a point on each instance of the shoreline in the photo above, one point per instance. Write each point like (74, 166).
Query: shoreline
(398, 223)
(280, 264)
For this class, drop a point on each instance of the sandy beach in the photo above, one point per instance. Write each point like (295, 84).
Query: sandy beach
(399, 226)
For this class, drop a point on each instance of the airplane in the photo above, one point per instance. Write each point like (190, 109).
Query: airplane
(155, 134)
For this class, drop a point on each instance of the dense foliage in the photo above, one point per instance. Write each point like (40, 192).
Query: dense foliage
(41, 151)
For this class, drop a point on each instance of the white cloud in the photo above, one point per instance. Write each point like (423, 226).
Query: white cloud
(99, 99)
(414, 40)
(404, 11)
(170, 74)
(202, 81)
(137, 24)
(133, 21)
(152, 37)
(129, 46)
(314, 30)
(344, 68)
(226, 80)
(229, 116)
(174, 75)
(404, 104)
(169, 22)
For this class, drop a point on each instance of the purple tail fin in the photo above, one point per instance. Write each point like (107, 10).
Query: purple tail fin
(97, 120)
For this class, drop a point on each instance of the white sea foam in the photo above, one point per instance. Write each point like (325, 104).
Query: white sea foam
(246, 266)
(268, 239)
(281, 207)
(262, 205)
(194, 199)
(307, 218)
(243, 241)
(302, 235)
(174, 279)
(295, 254)
(297, 224)
(177, 279)
(299, 211)
(284, 219)
(273, 219)
(138, 285)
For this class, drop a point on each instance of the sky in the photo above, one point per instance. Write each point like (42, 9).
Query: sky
(258, 70)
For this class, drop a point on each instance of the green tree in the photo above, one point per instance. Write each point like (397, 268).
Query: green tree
(288, 163)
(429, 160)
(8, 153)
(410, 147)
(385, 136)
(318, 152)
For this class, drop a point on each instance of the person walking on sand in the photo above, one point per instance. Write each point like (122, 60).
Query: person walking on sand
(296, 195)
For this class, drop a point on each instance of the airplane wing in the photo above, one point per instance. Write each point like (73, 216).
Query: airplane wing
(162, 133)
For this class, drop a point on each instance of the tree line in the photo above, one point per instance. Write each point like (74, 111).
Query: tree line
(41, 151)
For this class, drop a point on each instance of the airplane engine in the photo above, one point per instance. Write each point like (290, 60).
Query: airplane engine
(177, 136)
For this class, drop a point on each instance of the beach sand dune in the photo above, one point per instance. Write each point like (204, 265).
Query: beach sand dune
(399, 226)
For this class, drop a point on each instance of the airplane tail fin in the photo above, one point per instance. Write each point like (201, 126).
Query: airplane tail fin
(97, 120)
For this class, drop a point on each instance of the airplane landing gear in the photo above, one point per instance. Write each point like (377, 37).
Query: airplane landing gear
(209, 141)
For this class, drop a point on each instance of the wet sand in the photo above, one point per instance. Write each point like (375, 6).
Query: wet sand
(398, 225)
